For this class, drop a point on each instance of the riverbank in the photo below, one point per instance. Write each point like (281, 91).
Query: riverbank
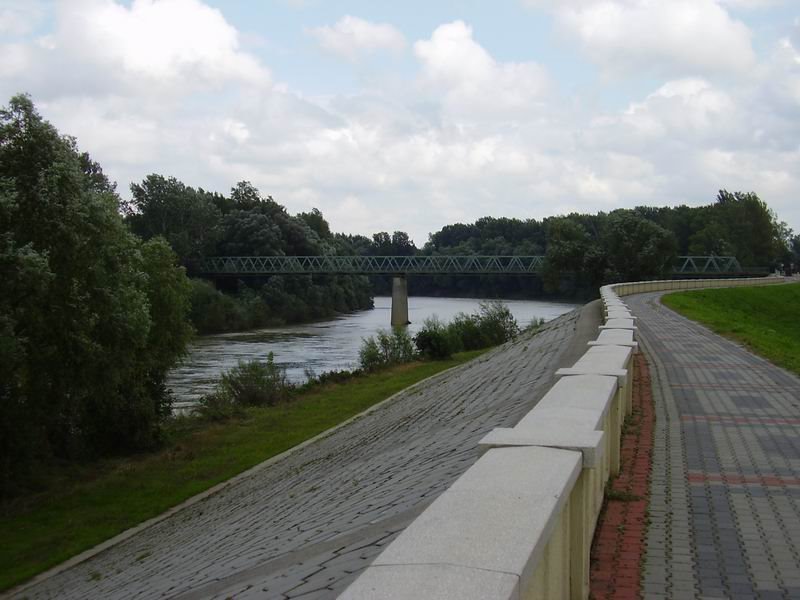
(82, 506)
(323, 346)
(765, 319)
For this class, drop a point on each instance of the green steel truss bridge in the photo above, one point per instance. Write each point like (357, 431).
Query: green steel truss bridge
(708, 264)
(414, 265)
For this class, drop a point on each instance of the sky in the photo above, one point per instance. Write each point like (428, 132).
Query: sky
(413, 115)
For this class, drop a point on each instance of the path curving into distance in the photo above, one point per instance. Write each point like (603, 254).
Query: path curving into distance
(725, 485)
(307, 524)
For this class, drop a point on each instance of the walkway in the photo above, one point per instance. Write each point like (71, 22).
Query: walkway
(725, 488)
(304, 526)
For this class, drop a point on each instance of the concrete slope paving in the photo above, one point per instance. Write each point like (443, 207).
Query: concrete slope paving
(304, 526)
(725, 488)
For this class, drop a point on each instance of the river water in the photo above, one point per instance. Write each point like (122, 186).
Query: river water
(324, 345)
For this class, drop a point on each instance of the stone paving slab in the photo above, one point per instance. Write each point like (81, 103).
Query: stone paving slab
(306, 525)
(725, 485)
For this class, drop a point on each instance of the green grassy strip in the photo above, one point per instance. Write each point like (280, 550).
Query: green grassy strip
(90, 504)
(765, 319)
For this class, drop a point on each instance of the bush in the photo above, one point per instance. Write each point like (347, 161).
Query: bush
(466, 330)
(497, 324)
(386, 349)
(255, 383)
(492, 325)
(534, 325)
(436, 340)
(218, 407)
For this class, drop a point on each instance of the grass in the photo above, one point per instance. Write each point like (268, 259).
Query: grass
(84, 506)
(765, 319)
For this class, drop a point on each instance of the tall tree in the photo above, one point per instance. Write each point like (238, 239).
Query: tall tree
(187, 218)
(82, 366)
(637, 248)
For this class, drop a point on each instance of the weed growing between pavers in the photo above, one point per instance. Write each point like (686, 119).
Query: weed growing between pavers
(617, 555)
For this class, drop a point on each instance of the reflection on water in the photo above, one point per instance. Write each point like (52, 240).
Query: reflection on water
(322, 346)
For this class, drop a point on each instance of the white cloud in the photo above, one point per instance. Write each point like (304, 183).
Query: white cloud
(675, 36)
(460, 135)
(351, 36)
(690, 110)
(147, 49)
(752, 4)
(473, 83)
(19, 18)
(182, 41)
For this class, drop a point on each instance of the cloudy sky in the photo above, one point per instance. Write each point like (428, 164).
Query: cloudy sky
(412, 115)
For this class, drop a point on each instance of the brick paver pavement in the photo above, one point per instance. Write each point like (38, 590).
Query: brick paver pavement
(304, 527)
(725, 484)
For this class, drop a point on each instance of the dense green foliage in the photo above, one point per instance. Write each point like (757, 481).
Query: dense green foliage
(763, 318)
(492, 325)
(99, 500)
(250, 383)
(91, 319)
(198, 223)
(583, 251)
(386, 349)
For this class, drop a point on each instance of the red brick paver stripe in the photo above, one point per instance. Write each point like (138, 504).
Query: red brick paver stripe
(618, 546)
(728, 387)
(764, 480)
(731, 420)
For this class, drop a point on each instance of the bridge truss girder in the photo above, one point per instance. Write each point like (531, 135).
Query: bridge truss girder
(418, 265)
(378, 265)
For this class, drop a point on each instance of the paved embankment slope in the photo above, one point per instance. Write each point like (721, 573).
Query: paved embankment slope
(305, 525)
(725, 489)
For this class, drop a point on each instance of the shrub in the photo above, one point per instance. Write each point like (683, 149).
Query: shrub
(218, 407)
(436, 340)
(369, 355)
(492, 325)
(386, 349)
(467, 331)
(497, 324)
(255, 383)
(534, 325)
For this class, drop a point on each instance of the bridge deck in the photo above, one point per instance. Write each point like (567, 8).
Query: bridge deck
(410, 265)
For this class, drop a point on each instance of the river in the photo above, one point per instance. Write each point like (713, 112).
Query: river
(322, 346)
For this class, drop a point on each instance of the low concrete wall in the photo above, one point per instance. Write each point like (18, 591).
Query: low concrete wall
(519, 523)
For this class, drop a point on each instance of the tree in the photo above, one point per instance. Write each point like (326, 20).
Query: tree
(752, 228)
(381, 244)
(637, 248)
(317, 223)
(567, 242)
(402, 244)
(187, 218)
(82, 362)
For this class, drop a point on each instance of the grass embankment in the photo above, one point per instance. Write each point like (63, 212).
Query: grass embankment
(765, 319)
(93, 503)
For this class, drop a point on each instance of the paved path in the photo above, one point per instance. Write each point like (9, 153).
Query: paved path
(725, 488)
(305, 526)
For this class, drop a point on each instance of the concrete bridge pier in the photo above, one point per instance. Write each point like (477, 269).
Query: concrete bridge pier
(399, 301)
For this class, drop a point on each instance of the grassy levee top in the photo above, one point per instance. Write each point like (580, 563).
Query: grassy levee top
(81, 506)
(765, 319)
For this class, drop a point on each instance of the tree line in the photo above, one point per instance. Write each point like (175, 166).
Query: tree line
(197, 223)
(584, 251)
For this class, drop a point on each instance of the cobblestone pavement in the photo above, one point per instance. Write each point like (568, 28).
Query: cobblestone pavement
(304, 527)
(725, 484)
